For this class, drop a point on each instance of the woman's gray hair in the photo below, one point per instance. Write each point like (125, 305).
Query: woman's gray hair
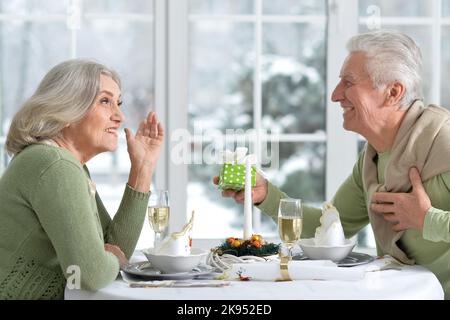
(392, 56)
(63, 97)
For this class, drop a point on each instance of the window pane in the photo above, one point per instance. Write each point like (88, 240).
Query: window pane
(25, 58)
(361, 145)
(397, 8)
(422, 36)
(118, 6)
(221, 75)
(445, 80)
(446, 8)
(34, 6)
(115, 42)
(221, 7)
(131, 40)
(220, 217)
(294, 7)
(301, 173)
(293, 73)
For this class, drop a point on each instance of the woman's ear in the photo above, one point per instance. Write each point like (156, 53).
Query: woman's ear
(396, 91)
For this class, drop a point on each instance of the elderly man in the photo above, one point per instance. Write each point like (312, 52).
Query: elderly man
(380, 92)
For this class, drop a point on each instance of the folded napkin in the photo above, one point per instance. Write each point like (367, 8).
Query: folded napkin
(298, 270)
(330, 231)
(178, 243)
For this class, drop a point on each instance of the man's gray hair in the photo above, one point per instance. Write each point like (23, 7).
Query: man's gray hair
(392, 56)
(63, 97)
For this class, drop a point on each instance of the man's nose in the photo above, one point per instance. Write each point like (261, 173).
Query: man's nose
(338, 93)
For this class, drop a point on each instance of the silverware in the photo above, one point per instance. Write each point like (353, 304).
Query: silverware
(179, 284)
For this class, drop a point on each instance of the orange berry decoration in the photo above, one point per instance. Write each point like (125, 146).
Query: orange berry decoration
(236, 243)
(256, 244)
(256, 237)
(230, 240)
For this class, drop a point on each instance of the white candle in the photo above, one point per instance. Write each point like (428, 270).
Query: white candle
(248, 200)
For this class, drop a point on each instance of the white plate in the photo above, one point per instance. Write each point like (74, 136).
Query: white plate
(168, 263)
(145, 271)
(353, 259)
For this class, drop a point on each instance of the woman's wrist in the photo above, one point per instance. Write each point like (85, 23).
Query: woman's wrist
(140, 177)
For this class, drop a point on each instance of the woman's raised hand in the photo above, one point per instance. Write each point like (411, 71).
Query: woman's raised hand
(144, 147)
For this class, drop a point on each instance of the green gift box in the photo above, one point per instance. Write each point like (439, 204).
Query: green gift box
(232, 177)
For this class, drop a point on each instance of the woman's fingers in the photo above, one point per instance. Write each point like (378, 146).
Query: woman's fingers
(153, 127)
(141, 128)
(150, 116)
(160, 130)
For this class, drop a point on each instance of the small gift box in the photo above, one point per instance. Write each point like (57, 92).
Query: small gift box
(232, 174)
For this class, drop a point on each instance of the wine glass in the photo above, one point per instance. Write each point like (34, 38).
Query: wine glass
(290, 221)
(159, 213)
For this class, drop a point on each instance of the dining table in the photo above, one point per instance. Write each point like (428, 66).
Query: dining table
(408, 282)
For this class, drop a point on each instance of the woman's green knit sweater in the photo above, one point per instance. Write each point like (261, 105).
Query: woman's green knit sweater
(52, 222)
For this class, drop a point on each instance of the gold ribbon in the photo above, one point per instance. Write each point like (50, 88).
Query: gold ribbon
(284, 270)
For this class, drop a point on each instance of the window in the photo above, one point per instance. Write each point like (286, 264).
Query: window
(36, 35)
(211, 65)
(425, 22)
(243, 75)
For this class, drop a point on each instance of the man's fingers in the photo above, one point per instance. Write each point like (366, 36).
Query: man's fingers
(228, 194)
(239, 197)
(390, 217)
(384, 197)
(382, 207)
(399, 227)
(416, 180)
(216, 180)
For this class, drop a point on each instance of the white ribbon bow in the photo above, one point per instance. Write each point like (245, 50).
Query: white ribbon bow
(239, 156)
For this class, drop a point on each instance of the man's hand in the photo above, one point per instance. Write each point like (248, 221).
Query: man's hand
(259, 192)
(404, 210)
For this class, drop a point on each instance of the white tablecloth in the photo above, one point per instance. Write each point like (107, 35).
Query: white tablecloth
(411, 282)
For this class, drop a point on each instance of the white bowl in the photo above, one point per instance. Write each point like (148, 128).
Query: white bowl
(175, 264)
(334, 253)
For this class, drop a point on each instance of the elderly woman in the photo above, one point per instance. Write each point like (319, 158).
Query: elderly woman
(53, 224)
(379, 93)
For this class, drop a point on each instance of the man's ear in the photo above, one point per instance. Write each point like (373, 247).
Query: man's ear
(395, 93)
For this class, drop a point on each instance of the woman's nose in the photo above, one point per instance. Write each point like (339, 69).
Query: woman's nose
(118, 115)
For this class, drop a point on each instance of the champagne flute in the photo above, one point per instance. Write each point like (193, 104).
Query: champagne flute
(290, 221)
(159, 213)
